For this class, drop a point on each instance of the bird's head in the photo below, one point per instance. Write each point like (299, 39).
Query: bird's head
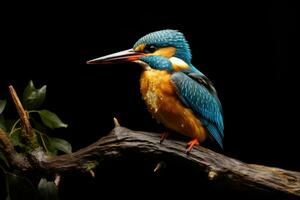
(161, 50)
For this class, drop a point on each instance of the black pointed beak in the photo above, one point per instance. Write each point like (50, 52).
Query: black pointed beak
(120, 57)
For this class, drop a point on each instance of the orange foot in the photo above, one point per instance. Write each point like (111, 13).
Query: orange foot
(192, 143)
(163, 137)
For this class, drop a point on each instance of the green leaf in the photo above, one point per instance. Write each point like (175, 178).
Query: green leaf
(51, 120)
(47, 190)
(45, 141)
(16, 138)
(40, 126)
(90, 165)
(33, 98)
(61, 145)
(2, 105)
(52, 144)
(19, 187)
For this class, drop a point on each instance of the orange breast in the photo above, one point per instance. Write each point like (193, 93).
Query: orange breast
(163, 102)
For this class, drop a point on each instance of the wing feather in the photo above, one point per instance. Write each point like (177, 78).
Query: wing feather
(202, 102)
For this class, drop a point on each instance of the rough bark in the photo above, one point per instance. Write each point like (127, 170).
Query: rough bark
(122, 142)
(218, 167)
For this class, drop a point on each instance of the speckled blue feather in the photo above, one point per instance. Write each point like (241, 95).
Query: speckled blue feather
(204, 104)
(168, 38)
(158, 62)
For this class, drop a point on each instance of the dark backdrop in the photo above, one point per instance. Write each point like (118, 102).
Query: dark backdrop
(245, 49)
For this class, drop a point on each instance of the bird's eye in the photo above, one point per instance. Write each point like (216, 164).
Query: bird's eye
(150, 49)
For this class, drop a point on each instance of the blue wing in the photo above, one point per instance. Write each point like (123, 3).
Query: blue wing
(199, 95)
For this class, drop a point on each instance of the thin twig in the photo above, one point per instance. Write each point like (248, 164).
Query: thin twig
(28, 131)
(57, 180)
(116, 122)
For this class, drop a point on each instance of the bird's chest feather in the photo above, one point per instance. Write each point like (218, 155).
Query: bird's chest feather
(162, 101)
(157, 90)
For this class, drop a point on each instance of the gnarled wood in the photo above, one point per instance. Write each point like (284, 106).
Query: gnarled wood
(217, 166)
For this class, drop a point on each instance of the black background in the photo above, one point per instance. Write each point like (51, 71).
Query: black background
(247, 50)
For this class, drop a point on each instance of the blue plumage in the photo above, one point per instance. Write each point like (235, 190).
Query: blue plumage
(194, 89)
(205, 105)
(158, 62)
(166, 58)
(168, 38)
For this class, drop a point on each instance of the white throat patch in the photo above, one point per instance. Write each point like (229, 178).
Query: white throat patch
(143, 64)
(178, 64)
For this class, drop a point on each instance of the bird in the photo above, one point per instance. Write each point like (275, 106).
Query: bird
(176, 93)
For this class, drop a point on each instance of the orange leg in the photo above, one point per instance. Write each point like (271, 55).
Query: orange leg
(163, 137)
(192, 143)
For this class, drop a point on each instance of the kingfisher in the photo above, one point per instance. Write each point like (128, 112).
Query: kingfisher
(176, 93)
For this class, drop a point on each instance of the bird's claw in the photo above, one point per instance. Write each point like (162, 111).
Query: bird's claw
(163, 137)
(190, 145)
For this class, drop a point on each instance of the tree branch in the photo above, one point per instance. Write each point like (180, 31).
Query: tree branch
(5, 143)
(13, 157)
(122, 141)
(218, 167)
